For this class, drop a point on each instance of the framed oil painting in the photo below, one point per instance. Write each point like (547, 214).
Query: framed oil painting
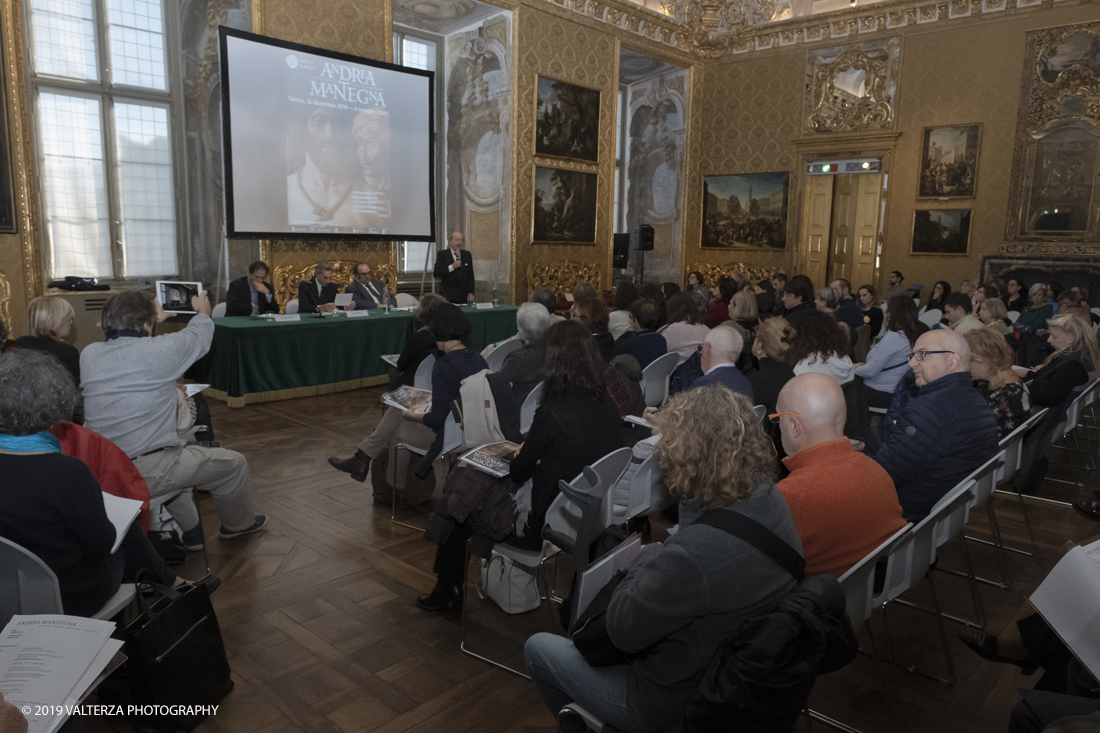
(746, 212)
(949, 162)
(565, 206)
(941, 232)
(567, 120)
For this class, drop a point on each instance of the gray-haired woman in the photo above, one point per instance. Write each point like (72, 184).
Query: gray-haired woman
(51, 504)
(526, 367)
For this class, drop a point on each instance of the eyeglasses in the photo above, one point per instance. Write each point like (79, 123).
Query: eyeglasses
(775, 417)
(919, 355)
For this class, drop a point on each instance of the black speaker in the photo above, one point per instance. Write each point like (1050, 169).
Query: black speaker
(620, 252)
(643, 238)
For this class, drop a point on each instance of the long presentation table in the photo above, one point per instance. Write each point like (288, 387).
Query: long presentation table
(263, 361)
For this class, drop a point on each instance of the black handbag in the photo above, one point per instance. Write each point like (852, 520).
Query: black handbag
(590, 636)
(175, 657)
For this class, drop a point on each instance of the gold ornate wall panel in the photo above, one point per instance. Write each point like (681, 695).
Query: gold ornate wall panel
(551, 46)
(5, 301)
(20, 253)
(562, 276)
(288, 277)
(852, 87)
(711, 272)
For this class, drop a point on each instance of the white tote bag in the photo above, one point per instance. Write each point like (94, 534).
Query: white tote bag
(512, 587)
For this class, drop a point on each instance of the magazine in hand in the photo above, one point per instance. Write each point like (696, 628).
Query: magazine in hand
(492, 458)
(408, 398)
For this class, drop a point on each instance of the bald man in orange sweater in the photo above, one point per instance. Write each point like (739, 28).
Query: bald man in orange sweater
(843, 503)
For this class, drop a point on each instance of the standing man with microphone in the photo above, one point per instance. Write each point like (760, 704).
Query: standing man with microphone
(454, 268)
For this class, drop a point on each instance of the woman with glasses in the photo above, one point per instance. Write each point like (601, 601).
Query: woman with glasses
(1016, 296)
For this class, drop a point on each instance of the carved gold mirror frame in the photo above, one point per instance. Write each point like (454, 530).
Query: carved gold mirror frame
(830, 107)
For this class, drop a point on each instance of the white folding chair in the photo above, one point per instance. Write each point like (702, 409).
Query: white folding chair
(930, 318)
(496, 358)
(404, 300)
(563, 519)
(647, 493)
(219, 311)
(527, 409)
(423, 377)
(655, 378)
(292, 307)
(1013, 445)
(663, 328)
(1013, 315)
(453, 440)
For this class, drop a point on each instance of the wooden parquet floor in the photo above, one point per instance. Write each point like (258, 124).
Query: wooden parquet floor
(322, 634)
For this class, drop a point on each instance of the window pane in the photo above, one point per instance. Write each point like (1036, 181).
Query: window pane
(415, 252)
(137, 43)
(64, 38)
(418, 54)
(76, 195)
(147, 195)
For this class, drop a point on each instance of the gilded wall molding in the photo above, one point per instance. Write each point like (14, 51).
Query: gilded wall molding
(288, 277)
(832, 107)
(5, 300)
(562, 276)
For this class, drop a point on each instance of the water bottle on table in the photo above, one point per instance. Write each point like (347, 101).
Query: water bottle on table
(496, 300)
(386, 298)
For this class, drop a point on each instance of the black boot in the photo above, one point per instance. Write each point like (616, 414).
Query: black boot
(985, 646)
(446, 598)
(1089, 506)
(357, 465)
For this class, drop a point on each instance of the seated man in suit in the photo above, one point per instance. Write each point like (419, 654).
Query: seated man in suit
(251, 295)
(454, 268)
(317, 295)
(643, 342)
(720, 351)
(366, 291)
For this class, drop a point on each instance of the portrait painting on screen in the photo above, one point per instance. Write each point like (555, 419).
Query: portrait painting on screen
(567, 120)
(565, 206)
(338, 169)
(941, 232)
(949, 162)
(746, 212)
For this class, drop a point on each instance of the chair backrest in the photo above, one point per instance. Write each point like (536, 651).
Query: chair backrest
(423, 377)
(454, 438)
(655, 378)
(1013, 444)
(663, 328)
(564, 516)
(1013, 315)
(527, 409)
(985, 479)
(859, 581)
(27, 585)
(496, 358)
(219, 311)
(648, 493)
(761, 411)
(1096, 311)
(591, 490)
(950, 522)
(404, 300)
(931, 318)
(292, 307)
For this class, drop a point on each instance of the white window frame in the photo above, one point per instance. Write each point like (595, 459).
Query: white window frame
(107, 92)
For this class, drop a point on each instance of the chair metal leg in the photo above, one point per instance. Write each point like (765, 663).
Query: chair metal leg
(995, 528)
(465, 602)
(894, 667)
(943, 632)
(393, 507)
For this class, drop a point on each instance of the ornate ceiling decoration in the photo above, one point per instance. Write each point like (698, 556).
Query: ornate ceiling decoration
(713, 24)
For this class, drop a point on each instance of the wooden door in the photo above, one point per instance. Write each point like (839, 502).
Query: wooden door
(868, 211)
(817, 213)
(842, 237)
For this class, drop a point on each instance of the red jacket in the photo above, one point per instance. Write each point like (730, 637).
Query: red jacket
(111, 467)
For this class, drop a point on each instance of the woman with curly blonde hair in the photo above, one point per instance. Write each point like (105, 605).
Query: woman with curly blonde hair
(680, 599)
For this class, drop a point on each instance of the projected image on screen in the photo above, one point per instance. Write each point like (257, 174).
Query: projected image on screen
(324, 144)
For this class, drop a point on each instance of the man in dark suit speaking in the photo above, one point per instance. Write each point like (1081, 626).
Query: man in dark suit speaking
(454, 268)
(316, 294)
(251, 295)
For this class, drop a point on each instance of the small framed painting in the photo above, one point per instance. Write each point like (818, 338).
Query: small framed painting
(565, 206)
(941, 232)
(949, 162)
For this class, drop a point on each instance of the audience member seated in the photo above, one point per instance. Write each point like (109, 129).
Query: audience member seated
(719, 310)
(847, 310)
(526, 366)
(366, 290)
(252, 295)
(820, 344)
(670, 289)
(826, 300)
(681, 599)
(618, 321)
(575, 425)
(957, 310)
(1075, 358)
(130, 398)
(991, 368)
(1015, 297)
(977, 298)
(721, 350)
(939, 294)
(868, 306)
(592, 314)
(51, 504)
(744, 312)
(888, 361)
(419, 346)
(317, 295)
(685, 332)
(843, 503)
(896, 282)
(932, 440)
(779, 282)
(697, 289)
(49, 320)
(546, 298)
(652, 291)
(773, 343)
(584, 290)
(967, 287)
(797, 294)
(643, 342)
(1035, 314)
(765, 298)
(422, 428)
(994, 316)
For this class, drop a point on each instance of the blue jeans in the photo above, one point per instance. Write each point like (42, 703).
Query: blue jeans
(562, 676)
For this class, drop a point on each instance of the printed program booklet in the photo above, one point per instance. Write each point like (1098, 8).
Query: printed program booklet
(408, 398)
(492, 458)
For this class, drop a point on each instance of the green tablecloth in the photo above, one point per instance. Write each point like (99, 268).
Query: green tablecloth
(261, 360)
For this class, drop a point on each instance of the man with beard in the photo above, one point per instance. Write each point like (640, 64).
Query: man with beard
(320, 192)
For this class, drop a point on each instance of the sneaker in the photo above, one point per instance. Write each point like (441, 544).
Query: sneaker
(261, 520)
(191, 540)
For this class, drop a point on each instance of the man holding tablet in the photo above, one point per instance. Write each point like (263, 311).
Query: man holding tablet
(454, 268)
